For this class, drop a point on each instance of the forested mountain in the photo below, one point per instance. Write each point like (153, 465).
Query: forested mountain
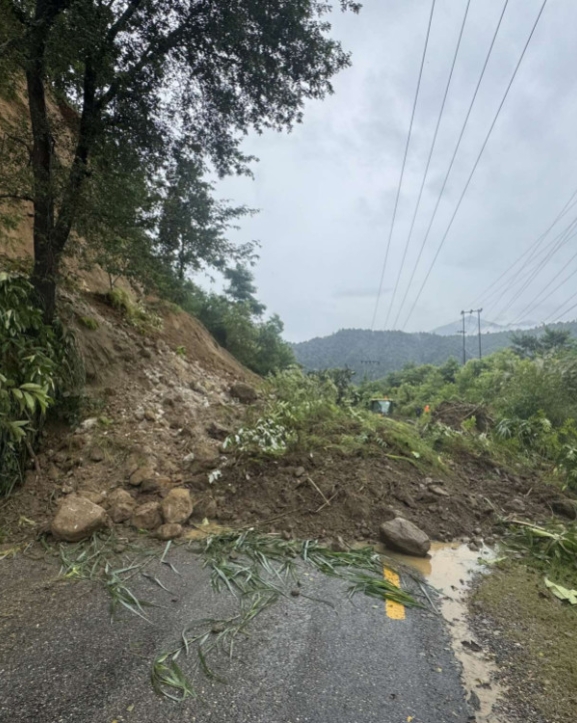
(373, 354)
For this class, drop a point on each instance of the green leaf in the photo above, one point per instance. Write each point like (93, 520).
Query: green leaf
(561, 592)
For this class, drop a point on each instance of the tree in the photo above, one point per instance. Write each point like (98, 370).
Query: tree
(241, 289)
(528, 346)
(150, 74)
(192, 224)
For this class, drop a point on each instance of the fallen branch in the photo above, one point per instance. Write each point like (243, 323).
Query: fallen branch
(317, 488)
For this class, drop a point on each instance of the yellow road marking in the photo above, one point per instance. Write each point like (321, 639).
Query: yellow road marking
(394, 610)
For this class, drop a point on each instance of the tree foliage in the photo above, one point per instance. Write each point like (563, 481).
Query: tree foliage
(150, 77)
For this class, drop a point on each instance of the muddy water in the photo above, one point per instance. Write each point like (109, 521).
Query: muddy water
(449, 568)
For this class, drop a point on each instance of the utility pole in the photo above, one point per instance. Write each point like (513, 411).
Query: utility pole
(479, 330)
(464, 335)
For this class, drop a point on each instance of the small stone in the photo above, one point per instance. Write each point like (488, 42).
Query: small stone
(300, 471)
(76, 519)
(439, 491)
(88, 424)
(96, 454)
(517, 505)
(565, 508)
(121, 505)
(177, 506)
(67, 489)
(140, 474)
(244, 393)
(96, 497)
(189, 458)
(147, 516)
(169, 531)
(217, 431)
(139, 415)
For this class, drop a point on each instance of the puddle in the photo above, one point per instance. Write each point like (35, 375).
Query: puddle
(449, 568)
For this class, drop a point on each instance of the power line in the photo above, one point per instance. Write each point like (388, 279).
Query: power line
(535, 301)
(528, 271)
(408, 241)
(444, 238)
(403, 165)
(565, 312)
(539, 266)
(535, 244)
(462, 133)
(560, 307)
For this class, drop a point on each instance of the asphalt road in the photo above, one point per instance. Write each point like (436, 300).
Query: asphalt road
(62, 660)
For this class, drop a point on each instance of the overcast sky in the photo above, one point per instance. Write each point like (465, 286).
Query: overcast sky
(326, 191)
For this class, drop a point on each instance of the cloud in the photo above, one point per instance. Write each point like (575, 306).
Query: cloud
(327, 190)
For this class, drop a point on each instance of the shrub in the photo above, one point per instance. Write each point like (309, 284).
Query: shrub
(33, 368)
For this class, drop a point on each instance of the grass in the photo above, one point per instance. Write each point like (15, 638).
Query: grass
(92, 560)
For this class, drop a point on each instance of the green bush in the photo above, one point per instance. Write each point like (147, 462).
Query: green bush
(32, 369)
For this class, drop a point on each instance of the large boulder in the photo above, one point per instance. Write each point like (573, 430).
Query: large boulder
(244, 393)
(403, 536)
(77, 518)
(147, 516)
(177, 506)
(121, 505)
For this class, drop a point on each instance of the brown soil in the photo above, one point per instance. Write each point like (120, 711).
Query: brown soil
(364, 492)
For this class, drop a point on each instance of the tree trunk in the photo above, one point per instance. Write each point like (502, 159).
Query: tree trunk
(45, 260)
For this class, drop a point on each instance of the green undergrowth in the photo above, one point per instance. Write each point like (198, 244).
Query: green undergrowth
(304, 413)
(143, 318)
(551, 550)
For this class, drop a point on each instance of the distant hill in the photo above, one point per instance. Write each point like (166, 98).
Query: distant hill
(487, 327)
(373, 354)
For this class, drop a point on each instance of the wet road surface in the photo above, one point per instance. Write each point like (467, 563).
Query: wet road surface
(62, 660)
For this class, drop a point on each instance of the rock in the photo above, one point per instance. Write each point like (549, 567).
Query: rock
(516, 505)
(300, 471)
(77, 518)
(96, 497)
(121, 505)
(149, 415)
(217, 431)
(96, 454)
(339, 544)
(565, 508)
(139, 415)
(177, 506)
(403, 536)
(147, 516)
(140, 474)
(88, 424)
(206, 508)
(67, 489)
(157, 485)
(244, 393)
(169, 531)
(439, 491)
